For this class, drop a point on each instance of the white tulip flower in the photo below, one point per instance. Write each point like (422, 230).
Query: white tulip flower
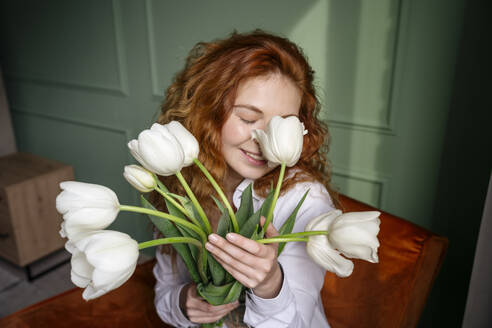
(282, 141)
(139, 178)
(354, 234)
(158, 151)
(85, 207)
(188, 142)
(102, 261)
(165, 149)
(321, 251)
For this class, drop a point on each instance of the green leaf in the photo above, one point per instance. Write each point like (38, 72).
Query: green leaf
(219, 204)
(213, 294)
(224, 225)
(181, 199)
(225, 220)
(160, 184)
(246, 208)
(202, 264)
(168, 229)
(289, 223)
(228, 277)
(186, 232)
(234, 293)
(216, 270)
(255, 233)
(188, 205)
(251, 224)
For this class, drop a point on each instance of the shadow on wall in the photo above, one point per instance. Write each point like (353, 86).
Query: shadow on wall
(360, 72)
(465, 169)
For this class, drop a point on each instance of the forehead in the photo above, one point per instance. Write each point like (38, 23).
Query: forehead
(274, 94)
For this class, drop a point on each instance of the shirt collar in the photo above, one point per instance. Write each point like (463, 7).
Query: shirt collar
(236, 198)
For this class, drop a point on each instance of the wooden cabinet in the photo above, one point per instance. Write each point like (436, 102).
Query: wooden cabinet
(29, 222)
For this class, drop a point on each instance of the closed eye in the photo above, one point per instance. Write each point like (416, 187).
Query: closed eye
(247, 121)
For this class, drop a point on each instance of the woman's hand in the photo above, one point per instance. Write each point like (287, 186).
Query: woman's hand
(251, 263)
(198, 310)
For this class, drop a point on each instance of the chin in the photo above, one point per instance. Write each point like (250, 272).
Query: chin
(253, 173)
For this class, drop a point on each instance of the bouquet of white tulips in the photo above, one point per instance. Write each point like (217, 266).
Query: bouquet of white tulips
(103, 260)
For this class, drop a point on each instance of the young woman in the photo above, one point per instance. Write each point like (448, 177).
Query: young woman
(227, 89)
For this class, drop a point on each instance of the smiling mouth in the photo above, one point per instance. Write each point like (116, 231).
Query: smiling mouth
(254, 158)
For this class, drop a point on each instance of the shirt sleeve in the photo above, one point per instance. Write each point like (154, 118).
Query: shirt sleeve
(167, 289)
(299, 296)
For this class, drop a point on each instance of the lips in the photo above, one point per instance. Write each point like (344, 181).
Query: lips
(254, 158)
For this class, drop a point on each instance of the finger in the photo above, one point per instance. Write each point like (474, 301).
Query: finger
(240, 247)
(238, 275)
(202, 313)
(270, 231)
(199, 318)
(200, 304)
(205, 317)
(224, 257)
(197, 302)
(234, 247)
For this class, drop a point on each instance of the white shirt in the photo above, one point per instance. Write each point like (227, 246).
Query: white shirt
(298, 303)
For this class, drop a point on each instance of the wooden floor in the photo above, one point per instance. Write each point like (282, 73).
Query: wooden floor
(17, 292)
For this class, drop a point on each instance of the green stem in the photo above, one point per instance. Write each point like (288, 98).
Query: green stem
(298, 236)
(166, 216)
(177, 205)
(221, 194)
(171, 240)
(281, 240)
(304, 234)
(274, 201)
(195, 202)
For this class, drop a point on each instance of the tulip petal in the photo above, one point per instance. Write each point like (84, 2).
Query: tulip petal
(328, 258)
(355, 217)
(62, 231)
(111, 280)
(111, 251)
(282, 140)
(323, 221)
(91, 293)
(266, 152)
(188, 142)
(134, 150)
(90, 191)
(81, 270)
(360, 252)
(162, 153)
(355, 235)
(139, 178)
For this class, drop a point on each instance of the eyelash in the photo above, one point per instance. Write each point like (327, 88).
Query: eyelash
(247, 122)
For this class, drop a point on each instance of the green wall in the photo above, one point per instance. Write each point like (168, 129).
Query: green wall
(84, 77)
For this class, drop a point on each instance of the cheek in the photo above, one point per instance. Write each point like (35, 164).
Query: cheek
(235, 134)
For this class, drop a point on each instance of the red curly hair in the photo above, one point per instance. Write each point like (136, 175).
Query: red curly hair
(202, 95)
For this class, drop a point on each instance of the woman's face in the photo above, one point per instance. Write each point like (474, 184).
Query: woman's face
(258, 100)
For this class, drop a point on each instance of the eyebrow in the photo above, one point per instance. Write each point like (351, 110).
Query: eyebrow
(257, 110)
(250, 107)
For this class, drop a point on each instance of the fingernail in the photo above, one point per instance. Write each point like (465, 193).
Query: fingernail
(231, 237)
(209, 246)
(213, 237)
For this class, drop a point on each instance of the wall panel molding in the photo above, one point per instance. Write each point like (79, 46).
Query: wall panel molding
(156, 93)
(121, 89)
(386, 124)
(378, 183)
(123, 131)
